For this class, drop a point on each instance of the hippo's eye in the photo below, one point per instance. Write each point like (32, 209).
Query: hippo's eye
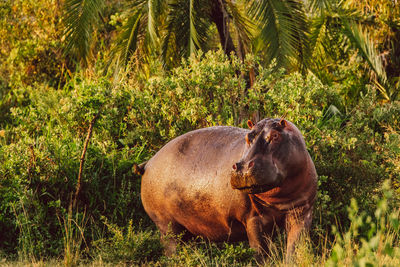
(275, 136)
(272, 137)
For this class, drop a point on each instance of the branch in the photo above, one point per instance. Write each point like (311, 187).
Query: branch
(82, 159)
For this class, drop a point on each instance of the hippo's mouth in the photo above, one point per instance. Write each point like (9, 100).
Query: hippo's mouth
(255, 189)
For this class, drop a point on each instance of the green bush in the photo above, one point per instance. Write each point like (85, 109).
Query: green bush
(128, 245)
(205, 253)
(30, 51)
(372, 239)
(198, 94)
(40, 164)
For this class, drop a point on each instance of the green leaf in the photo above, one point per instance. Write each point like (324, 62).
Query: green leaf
(80, 18)
(365, 45)
(283, 31)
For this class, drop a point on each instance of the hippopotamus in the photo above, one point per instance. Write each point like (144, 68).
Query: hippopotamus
(232, 184)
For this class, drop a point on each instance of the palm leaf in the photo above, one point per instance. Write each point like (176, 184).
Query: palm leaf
(176, 36)
(193, 40)
(317, 34)
(283, 30)
(365, 45)
(80, 19)
(186, 30)
(319, 5)
(326, 31)
(318, 38)
(244, 26)
(139, 34)
(199, 25)
(127, 40)
(155, 9)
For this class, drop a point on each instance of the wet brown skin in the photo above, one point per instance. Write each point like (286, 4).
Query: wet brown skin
(232, 184)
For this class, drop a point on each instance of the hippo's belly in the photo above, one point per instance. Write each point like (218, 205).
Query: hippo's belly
(187, 184)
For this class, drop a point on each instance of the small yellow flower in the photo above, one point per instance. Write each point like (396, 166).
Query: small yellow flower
(2, 133)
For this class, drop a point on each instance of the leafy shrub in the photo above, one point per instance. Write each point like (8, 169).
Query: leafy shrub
(205, 253)
(198, 94)
(40, 163)
(128, 245)
(371, 240)
(30, 51)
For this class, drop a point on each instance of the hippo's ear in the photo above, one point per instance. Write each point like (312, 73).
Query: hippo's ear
(283, 123)
(250, 124)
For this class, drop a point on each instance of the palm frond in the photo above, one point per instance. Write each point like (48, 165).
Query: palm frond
(186, 30)
(317, 33)
(199, 25)
(168, 55)
(155, 9)
(283, 30)
(139, 35)
(319, 5)
(176, 32)
(244, 26)
(132, 38)
(318, 37)
(365, 45)
(327, 40)
(265, 16)
(80, 19)
(193, 40)
(323, 39)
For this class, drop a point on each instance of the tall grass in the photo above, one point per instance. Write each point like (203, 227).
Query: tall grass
(376, 245)
(372, 239)
(73, 228)
(26, 241)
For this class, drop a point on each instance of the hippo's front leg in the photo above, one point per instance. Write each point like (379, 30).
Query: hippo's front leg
(257, 241)
(297, 222)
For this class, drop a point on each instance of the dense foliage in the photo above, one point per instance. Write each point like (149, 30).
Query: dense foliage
(50, 109)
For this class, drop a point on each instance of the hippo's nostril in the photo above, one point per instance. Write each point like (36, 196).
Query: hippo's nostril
(237, 166)
(251, 164)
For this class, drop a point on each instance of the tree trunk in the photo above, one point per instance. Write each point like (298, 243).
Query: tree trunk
(221, 18)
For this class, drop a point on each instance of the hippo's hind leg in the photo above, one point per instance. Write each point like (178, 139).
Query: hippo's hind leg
(171, 233)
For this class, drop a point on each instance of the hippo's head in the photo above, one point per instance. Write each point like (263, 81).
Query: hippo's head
(275, 151)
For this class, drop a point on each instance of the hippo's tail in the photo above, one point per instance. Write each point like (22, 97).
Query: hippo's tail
(139, 169)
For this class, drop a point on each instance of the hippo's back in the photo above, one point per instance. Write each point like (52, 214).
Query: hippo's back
(188, 180)
(198, 151)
